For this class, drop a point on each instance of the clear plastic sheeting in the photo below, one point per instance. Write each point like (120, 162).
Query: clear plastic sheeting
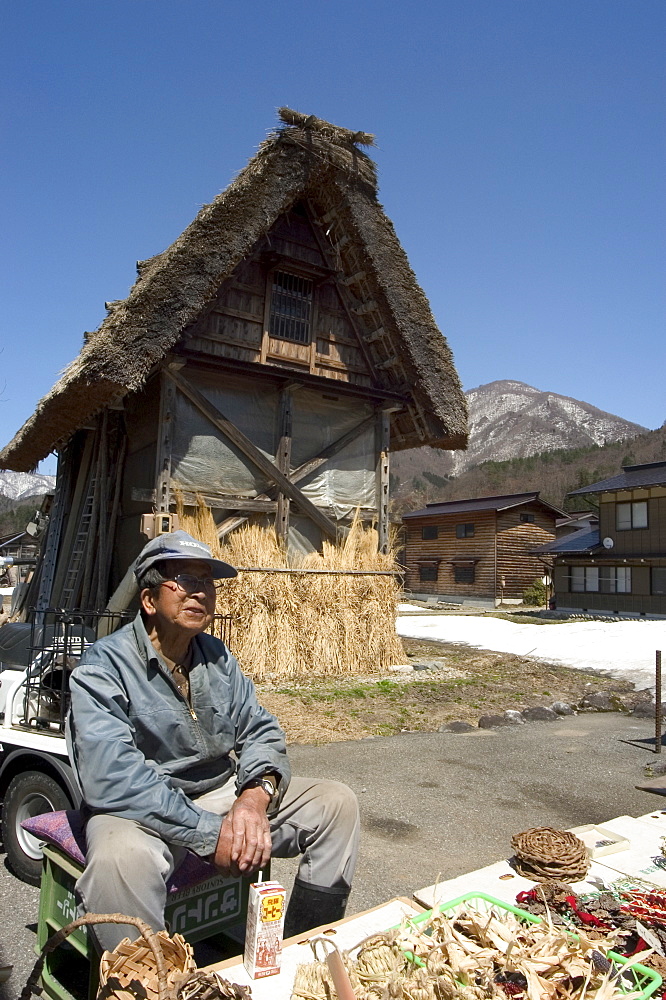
(347, 481)
(203, 460)
(304, 536)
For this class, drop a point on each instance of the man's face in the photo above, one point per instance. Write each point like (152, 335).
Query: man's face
(171, 606)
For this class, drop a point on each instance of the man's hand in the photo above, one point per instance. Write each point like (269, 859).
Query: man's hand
(244, 844)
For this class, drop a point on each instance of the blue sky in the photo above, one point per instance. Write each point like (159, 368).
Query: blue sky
(520, 150)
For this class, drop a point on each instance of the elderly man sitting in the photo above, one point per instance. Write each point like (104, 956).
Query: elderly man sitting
(174, 753)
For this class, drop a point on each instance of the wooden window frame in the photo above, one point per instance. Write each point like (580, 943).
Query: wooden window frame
(297, 276)
(590, 580)
(632, 505)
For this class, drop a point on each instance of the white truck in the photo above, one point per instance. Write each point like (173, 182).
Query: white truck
(35, 772)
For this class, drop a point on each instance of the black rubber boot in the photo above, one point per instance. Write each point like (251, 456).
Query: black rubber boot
(312, 905)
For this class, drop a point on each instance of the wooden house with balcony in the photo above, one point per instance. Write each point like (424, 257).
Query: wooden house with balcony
(268, 360)
(620, 567)
(477, 549)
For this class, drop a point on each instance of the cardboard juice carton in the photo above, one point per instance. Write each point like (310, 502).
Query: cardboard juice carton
(264, 930)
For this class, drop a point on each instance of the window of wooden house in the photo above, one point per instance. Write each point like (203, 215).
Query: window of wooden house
(463, 574)
(584, 579)
(464, 530)
(291, 307)
(428, 573)
(527, 517)
(429, 531)
(631, 515)
(615, 579)
(658, 580)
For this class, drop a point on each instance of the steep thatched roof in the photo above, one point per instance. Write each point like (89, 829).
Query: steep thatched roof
(304, 158)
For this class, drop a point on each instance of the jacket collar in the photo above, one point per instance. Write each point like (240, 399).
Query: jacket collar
(147, 650)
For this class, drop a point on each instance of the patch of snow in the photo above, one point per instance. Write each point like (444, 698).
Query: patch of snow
(22, 485)
(412, 609)
(623, 649)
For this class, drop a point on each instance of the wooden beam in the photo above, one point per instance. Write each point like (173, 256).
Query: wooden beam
(283, 462)
(65, 471)
(383, 439)
(303, 470)
(236, 436)
(330, 451)
(275, 375)
(324, 249)
(216, 500)
(164, 431)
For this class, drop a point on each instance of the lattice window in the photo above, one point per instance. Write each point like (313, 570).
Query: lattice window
(291, 307)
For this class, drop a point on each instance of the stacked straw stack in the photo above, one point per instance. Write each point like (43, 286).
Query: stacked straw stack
(289, 626)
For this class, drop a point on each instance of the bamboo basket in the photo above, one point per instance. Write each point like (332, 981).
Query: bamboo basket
(153, 967)
(131, 970)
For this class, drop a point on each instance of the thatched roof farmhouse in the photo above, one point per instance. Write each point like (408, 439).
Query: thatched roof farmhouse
(266, 359)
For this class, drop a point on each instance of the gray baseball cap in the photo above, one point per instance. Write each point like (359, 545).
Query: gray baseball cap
(179, 545)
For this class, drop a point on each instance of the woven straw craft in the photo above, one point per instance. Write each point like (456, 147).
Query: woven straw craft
(154, 967)
(134, 963)
(544, 854)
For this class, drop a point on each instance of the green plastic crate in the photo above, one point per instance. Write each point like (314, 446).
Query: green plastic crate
(645, 980)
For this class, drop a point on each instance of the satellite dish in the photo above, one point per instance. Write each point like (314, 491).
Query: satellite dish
(608, 543)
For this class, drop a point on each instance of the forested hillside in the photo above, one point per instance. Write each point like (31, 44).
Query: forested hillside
(15, 515)
(553, 473)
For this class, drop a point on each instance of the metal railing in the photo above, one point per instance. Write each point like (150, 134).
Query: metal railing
(57, 641)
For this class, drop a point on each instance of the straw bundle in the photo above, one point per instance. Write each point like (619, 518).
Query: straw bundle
(290, 626)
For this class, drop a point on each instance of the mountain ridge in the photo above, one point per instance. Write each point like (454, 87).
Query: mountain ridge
(509, 419)
(20, 486)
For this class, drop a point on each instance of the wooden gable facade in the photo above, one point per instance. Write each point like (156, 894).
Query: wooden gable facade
(478, 548)
(618, 568)
(268, 361)
(286, 305)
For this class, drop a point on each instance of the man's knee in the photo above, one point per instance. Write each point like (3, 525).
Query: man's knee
(339, 805)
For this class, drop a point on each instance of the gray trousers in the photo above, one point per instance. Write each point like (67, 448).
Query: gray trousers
(128, 865)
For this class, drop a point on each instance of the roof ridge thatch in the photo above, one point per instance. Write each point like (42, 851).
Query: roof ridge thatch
(333, 133)
(304, 157)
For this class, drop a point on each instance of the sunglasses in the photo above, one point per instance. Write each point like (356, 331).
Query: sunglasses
(195, 584)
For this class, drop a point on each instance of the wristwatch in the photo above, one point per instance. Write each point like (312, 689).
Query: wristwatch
(269, 783)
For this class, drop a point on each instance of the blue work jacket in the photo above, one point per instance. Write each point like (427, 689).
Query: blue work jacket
(142, 752)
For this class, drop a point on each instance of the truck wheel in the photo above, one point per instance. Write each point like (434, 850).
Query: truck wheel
(29, 794)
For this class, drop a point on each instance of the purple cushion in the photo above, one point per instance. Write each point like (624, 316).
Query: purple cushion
(190, 872)
(66, 829)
